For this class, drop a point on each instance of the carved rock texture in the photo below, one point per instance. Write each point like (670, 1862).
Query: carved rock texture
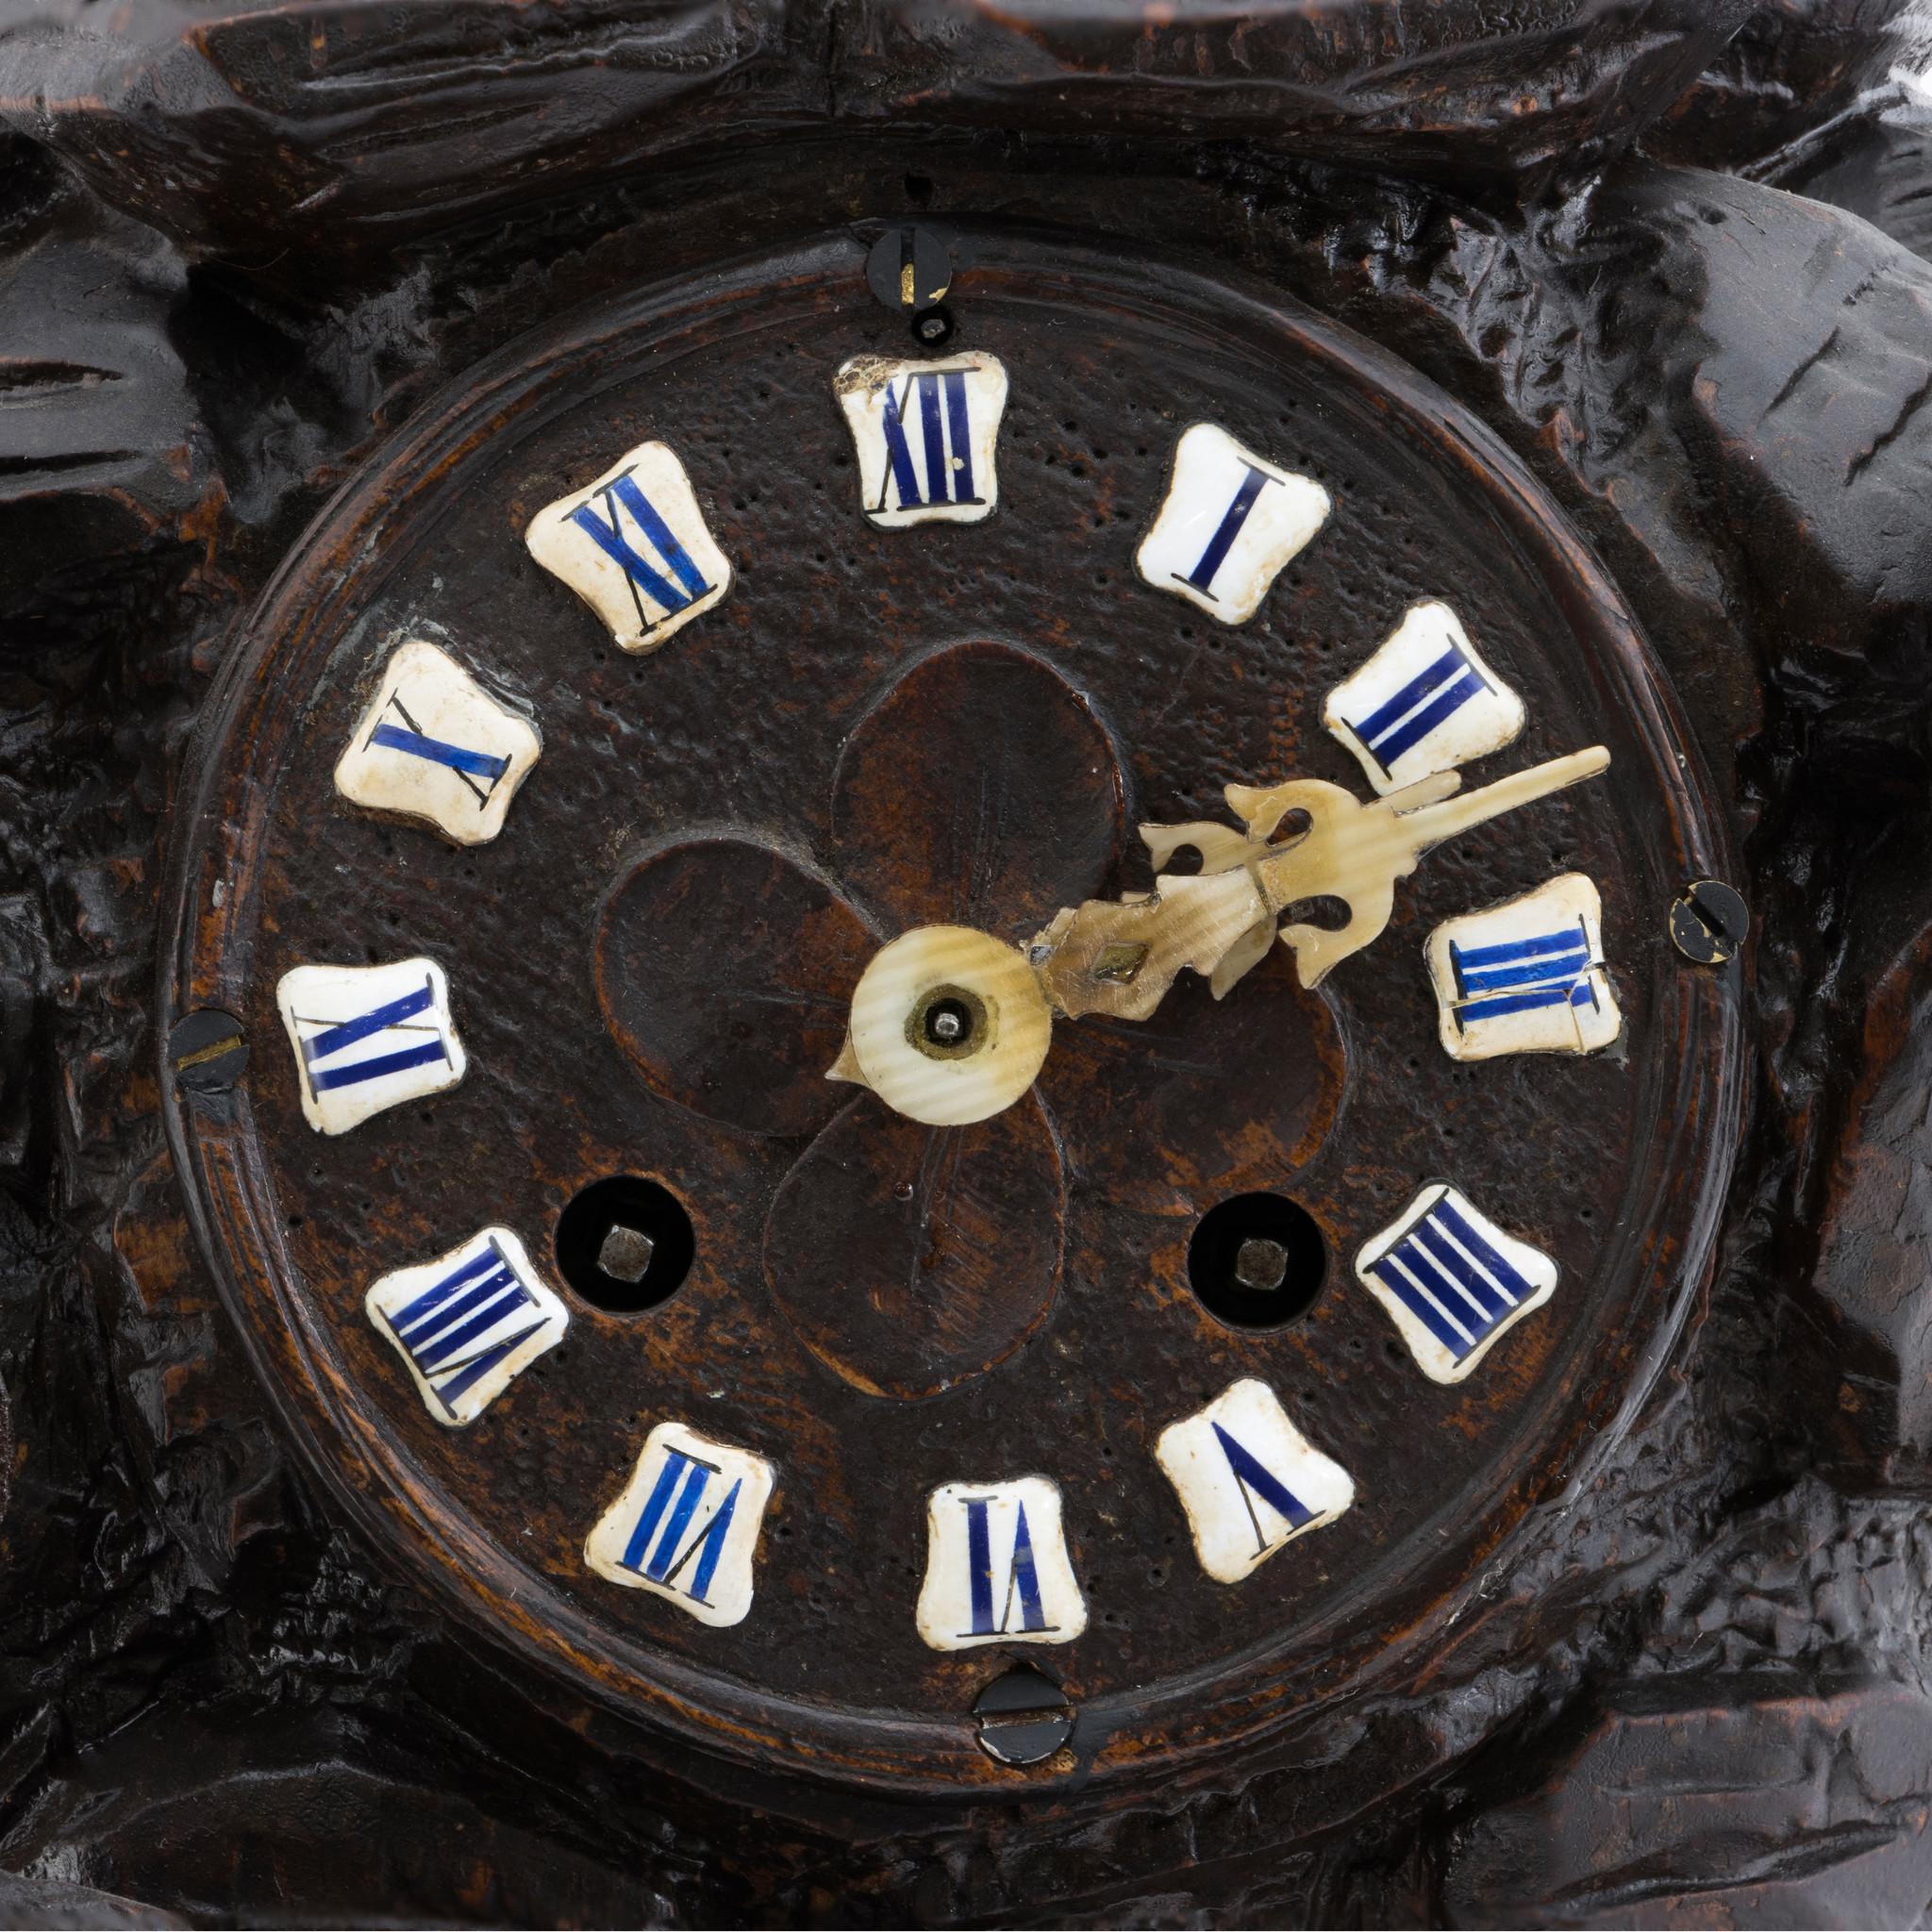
(1736, 1803)
(237, 247)
(342, 131)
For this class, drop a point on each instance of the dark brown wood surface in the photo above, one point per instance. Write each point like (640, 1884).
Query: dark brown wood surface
(253, 257)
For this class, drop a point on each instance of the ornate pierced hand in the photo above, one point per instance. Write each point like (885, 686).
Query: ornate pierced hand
(950, 1026)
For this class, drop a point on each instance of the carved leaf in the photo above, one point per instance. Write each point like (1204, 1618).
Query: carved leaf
(723, 969)
(980, 791)
(910, 1259)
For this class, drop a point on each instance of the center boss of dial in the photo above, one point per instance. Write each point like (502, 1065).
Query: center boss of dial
(948, 1027)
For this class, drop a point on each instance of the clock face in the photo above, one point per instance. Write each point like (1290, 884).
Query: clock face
(725, 692)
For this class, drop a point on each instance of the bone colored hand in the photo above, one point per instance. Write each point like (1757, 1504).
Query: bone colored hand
(1120, 957)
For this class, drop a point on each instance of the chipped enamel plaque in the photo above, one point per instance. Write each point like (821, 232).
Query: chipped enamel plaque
(634, 547)
(1229, 524)
(686, 1524)
(1525, 977)
(1249, 1479)
(1452, 1281)
(1425, 702)
(996, 1567)
(434, 744)
(925, 434)
(468, 1323)
(368, 1037)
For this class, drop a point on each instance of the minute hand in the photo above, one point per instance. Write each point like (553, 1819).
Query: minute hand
(1121, 958)
(1356, 851)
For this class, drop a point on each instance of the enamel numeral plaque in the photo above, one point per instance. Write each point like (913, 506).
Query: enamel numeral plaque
(1452, 1281)
(468, 1323)
(925, 435)
(1249, 1480)
(634, 546)
(1525, 977)
(1003, 1127)
(367, 1037)
(1230, 523)
(435, 745)
(1425, 702)
(996, 1567)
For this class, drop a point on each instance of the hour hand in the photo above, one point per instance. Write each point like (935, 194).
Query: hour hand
(1120, 956)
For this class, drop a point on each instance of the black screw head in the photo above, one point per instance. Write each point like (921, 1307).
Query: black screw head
(207, 1050)
(1024, 1718)
(1708, 923)
(909, 269)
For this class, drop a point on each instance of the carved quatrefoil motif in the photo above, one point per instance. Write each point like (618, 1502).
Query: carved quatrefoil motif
(982, 790)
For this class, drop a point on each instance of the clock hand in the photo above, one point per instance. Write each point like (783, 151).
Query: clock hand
(1120, 957)
(949, 1026)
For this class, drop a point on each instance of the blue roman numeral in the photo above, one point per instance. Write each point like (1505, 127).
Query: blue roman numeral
(1423, 703)
(1024, 1577)
(658, 1549)
(339, 1036)
(1201, 577)
(452, 1331)
(1253, 1478)
(1451, 1279)
(622, 498)
(946, 446)
(467, 765)
(1550, 970)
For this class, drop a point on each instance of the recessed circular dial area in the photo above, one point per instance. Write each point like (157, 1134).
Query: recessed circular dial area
(894, 1334)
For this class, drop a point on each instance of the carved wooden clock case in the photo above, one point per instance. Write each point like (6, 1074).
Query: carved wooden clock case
(953, 1013)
